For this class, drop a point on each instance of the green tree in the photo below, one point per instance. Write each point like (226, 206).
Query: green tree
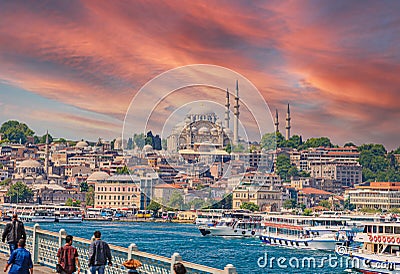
(249, 206)
(349, 144)
(238, 148)
(294, 142)
(70, 202)
(154, 206)
(282, 166)
(289, 204)
(325, 203)
(307, 212)
(228, 148)
(42, 139)
(225, 203)
(122, 170)
(84, 187)
(20, 192)
(164, 144)
(347, 205)
(139, 140)
(6, 182)
(197, 203)
(90, 196)
(293, 172)
(317, 142)
(176, 200)
(15, 131)
(130, 144)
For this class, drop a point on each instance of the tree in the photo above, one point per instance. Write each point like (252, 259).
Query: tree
(122, 170)
(70, 202)
(197, 203)
(139, 140)
(349, 144)
(238, 148)
(325, 203)
(249, 206)
(43, 139)
(289, 204)
(294, 142)
(149, 140)
(157, 142)
(5, 182)
(84, 187)
(15, 131)
(317, 142)
(176, 200)
(153, 206)
(130, 144)
(293, 172)
(90, 196)
(164, 144)
(307, 212)
(228, 148)
(282, 166)
(225, 203)
(20, 192)
(347, 205)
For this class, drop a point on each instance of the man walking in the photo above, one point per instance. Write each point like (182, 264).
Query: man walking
(99, 254)
(13, 232)
(68, 257)
(20, 260)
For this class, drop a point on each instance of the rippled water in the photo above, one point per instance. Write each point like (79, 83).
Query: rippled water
(166, 238)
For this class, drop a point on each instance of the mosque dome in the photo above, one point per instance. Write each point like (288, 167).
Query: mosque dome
(81, 144)
(98, 176)
(30, 163)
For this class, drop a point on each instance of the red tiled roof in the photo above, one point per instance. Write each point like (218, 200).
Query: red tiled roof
(167, 186)
(311, 190)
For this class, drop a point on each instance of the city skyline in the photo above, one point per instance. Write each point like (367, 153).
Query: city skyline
(73, 67)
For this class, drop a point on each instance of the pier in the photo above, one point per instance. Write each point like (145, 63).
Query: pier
(43, 245)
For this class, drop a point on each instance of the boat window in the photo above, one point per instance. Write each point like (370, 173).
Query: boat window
(380, 229)
(374, 229)
(389, 229)
(397, 230)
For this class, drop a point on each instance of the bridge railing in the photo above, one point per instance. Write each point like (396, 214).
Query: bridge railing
(44, 244)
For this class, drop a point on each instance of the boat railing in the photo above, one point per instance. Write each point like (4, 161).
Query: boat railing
(44, 244)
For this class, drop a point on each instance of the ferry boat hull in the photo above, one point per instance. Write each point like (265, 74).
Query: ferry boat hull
(310, 243)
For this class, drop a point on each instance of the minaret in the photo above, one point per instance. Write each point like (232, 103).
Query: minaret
(288, 123)
(46, 159)
(227, 105)
(276, 122)
(236, 117)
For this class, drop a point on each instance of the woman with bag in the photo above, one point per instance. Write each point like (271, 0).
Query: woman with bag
(68, 261)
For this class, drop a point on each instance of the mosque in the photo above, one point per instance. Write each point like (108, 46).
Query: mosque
(202, 131)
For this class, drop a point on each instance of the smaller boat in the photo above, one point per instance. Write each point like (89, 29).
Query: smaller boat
(379, 249)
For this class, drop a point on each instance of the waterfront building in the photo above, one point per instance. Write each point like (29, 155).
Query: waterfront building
(376, 195)
(267, 198)
(310, 196)
(125, 191)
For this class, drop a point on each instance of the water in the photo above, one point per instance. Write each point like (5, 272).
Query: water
(244, 253)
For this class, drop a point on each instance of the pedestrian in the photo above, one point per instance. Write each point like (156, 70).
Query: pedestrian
(68, 257)
(13, 232)
(179, 268)
(20, 260)
(99, 254)
(131, 265)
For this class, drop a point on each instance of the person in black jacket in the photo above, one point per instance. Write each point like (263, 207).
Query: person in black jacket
(13, 232)
(99, 254)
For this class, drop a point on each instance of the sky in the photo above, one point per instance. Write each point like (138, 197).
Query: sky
(73, 67)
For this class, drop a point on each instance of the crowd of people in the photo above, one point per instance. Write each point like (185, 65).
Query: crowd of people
(20, 260)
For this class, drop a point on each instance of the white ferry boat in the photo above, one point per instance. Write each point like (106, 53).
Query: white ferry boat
(68, 217)
(306, 232)
(43, 216)
(379, 251)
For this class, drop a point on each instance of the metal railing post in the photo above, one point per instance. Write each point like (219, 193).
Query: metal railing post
(61, 235)
(230, 269)
(35, 244)
(131, 249)
(175, 259)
